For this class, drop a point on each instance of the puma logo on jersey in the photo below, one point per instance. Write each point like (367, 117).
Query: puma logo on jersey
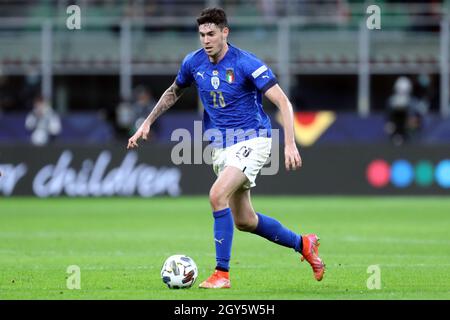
(265, 76)
(201, 74)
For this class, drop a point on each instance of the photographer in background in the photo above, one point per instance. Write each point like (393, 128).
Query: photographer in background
(43, 121)
(129, 116)
(405, 112)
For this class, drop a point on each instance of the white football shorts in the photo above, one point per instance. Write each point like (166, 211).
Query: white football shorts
(248, 156)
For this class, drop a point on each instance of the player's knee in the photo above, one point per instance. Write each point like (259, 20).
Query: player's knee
(217, 199)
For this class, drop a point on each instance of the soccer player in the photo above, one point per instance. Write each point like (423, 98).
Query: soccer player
(230, 82)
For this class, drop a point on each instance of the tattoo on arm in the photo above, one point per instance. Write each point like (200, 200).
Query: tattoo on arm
(167, 100)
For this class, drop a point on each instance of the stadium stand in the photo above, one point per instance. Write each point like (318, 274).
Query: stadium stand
(123, 40)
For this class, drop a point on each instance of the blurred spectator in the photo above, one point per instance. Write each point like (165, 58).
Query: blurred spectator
(422, 91)
(6, 99)
(143, 106)
(268, 9)
(44, 123)
(124, 118)
(338, 9)
(168, 7)
(31, 87)
(129, 116)
(135, 9)
(398, 107)
(426, 15)
(405, 112)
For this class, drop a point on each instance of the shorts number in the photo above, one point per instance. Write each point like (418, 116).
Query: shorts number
(243, 152)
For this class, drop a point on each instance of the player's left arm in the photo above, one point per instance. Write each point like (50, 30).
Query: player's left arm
(291, 155)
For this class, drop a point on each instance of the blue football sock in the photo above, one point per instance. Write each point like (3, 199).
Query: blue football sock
(223, 237)
(274, 231)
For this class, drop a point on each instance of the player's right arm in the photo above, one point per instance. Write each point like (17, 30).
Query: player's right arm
(167, 100)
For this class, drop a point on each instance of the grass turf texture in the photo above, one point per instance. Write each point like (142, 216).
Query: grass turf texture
(120, 245)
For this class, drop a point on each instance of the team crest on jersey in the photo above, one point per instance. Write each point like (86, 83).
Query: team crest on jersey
(215, 73)
(230, 75)
(215, 81)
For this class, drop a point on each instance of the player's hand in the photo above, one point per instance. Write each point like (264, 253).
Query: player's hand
(292, 159)
(142, 132)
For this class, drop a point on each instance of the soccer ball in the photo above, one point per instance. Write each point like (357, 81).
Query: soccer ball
(179, 272)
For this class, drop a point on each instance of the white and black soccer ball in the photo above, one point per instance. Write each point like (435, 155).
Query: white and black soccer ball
(179, 272)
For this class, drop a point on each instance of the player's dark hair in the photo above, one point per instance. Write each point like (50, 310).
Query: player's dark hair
(213, 15)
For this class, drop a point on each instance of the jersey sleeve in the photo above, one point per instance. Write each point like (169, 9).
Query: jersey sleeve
(258, 73)
(184, 77)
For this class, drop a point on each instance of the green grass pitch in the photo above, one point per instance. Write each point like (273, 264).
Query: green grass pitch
(120, 244)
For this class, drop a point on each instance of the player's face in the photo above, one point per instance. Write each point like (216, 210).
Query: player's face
(212, 38)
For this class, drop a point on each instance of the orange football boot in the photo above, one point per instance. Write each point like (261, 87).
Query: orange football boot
(310, 252)
(218, 280)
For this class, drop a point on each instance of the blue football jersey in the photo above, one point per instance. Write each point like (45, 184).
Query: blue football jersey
(231, 92)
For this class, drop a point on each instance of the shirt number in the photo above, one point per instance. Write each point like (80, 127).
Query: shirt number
(214, 94)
